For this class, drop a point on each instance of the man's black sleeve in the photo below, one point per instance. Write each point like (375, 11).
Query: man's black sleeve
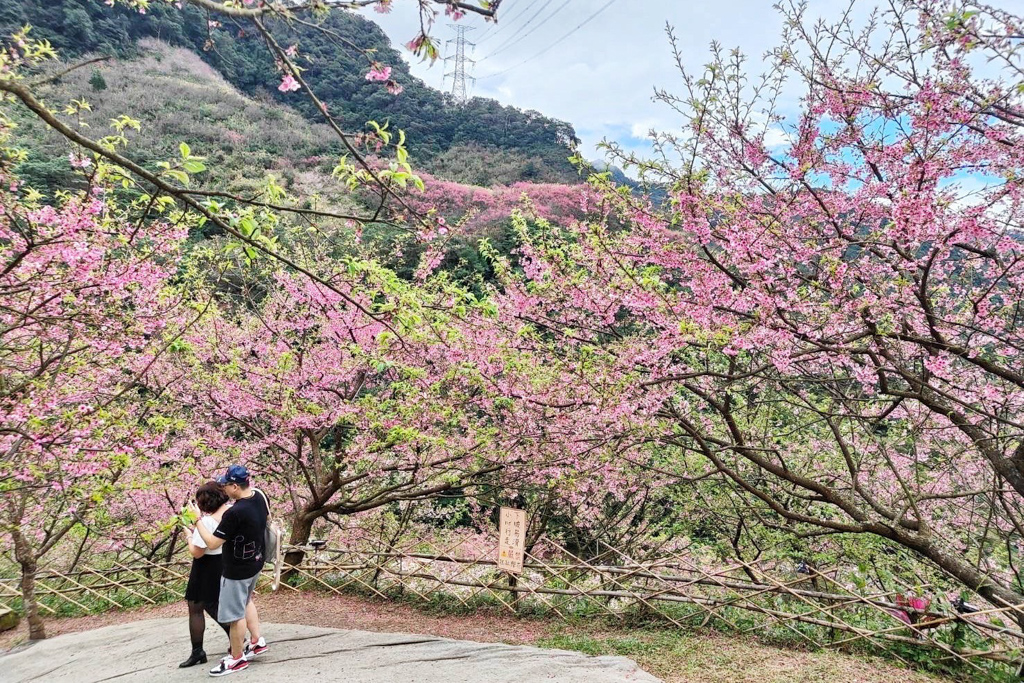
(228, 525)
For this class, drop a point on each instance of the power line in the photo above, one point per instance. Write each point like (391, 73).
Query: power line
(521, 28)
(549, 47)
(507, 44)
(497, 26)
(506, 23)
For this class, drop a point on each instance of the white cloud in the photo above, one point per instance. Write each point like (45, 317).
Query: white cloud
(641, 130)
(973, 190)
(775, 137)
(601, 78)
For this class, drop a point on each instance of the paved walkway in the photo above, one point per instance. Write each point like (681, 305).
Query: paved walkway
(149, 651)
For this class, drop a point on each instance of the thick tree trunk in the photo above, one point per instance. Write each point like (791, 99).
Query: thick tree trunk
(966, 573)
(27, 560)
(302, 527)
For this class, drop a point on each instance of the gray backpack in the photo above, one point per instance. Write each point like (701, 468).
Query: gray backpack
(271, 538)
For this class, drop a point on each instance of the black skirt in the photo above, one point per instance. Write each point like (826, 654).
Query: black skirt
(204, 580)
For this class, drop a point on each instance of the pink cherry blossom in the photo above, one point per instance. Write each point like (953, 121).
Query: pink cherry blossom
(288, 84)
(378, 73)
(79, 161)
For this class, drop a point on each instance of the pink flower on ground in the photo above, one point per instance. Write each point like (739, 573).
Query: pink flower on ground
(913, 602)
(378, 73)
(900, 614)
(919, 604)
(288, 84)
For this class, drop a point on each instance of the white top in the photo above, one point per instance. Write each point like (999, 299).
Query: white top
(211, 525)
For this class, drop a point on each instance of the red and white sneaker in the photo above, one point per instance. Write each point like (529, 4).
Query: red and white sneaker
(245, 644)
(253, 650)
(229, 666)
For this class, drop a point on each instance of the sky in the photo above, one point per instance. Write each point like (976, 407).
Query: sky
(601, 77)
(595, 63)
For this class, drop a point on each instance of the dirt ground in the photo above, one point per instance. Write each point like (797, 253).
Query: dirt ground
(679, 658)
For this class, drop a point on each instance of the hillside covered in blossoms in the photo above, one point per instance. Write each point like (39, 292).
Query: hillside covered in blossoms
(764, 379)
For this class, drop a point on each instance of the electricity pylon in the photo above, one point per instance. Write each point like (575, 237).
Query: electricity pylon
(458, 74)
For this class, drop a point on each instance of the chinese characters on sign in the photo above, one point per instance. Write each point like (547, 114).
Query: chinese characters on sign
(511, 540)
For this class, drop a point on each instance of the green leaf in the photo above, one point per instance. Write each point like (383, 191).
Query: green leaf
(186, 151)
(195, 166)
(247, 226)
(180, 176)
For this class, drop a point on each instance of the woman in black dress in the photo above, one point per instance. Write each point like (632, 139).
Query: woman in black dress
(203, 590)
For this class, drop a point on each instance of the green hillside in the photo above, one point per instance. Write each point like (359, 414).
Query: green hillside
(177, 97)
(521, 145)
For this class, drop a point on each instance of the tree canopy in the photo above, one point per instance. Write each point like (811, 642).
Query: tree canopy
(810, 350)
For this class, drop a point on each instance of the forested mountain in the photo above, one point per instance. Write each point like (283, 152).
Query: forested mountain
(520, 145)
(177, 98)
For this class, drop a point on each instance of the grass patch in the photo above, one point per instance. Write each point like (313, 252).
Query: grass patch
(633, 646)
(703, 656)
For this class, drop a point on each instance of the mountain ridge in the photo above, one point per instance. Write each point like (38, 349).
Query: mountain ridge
(529, 145)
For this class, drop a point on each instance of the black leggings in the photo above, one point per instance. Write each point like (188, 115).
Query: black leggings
(197, 621)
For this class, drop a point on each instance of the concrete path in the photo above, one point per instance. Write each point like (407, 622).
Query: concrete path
(149, 652)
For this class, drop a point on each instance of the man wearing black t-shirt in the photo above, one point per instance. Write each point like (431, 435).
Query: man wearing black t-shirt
(242, 532)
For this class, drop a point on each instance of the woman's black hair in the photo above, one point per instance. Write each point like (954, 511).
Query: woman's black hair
(210, 497)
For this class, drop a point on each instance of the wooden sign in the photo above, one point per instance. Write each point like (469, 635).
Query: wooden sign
(511, 540)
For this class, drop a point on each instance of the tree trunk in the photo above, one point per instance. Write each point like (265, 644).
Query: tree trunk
(302, 527)
(963, 571)
(27, 560)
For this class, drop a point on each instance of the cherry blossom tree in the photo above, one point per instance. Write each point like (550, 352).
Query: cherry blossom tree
(822, 321)
(215, 207)
(341, 404)
(83, 317)
(471, 210)
(825, 316)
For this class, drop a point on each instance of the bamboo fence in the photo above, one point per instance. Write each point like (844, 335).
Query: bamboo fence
(811, 607)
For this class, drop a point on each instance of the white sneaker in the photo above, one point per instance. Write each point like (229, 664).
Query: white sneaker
(245, 646)
(253, 650)
(229, 666)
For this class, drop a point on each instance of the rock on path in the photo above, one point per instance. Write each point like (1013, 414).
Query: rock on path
(149, 652)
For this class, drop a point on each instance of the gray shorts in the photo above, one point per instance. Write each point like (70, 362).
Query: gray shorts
(235, 594)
